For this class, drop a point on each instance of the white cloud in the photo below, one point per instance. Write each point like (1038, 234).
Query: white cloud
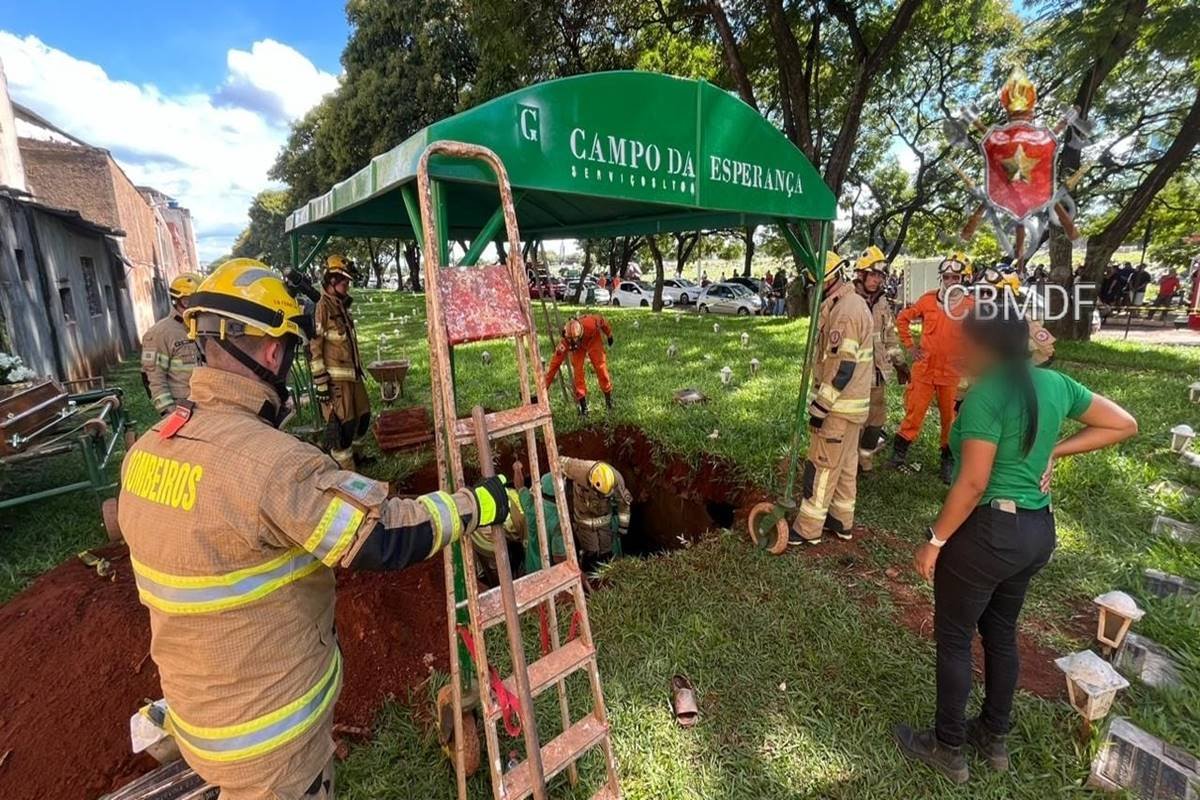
(209, 151)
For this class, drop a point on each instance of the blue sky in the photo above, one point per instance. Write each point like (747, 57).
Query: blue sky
(179, 46)
(193, 98)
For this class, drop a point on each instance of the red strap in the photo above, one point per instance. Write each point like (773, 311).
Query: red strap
(573, 631)
(176, 420)
(510, 709)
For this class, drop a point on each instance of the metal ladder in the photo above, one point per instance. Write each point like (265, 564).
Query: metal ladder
(481, 304)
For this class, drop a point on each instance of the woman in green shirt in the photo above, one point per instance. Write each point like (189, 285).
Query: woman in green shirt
(996, 527)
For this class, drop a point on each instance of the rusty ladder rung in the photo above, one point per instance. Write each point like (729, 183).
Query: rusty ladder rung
(505, 423)
(564, 750)
(530, 590)
(546, 671)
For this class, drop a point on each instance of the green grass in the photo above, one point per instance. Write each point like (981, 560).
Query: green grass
(740, 623)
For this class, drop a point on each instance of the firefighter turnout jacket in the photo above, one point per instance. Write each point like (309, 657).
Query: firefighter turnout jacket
(596, 516)
(168, 358)
(333, 350)
(234, 529)
(845, 358)
(885, 341)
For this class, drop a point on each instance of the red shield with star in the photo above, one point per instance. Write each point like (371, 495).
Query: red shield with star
(1020, 159)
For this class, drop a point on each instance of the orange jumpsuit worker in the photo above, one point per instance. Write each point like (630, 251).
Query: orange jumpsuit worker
(935, 370)
(584, 336)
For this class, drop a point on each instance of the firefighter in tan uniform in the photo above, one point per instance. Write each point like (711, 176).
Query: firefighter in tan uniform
(600, 504)
(337, 366)
(841, 396)
(168, 355)
(871, 271)
(234, 528)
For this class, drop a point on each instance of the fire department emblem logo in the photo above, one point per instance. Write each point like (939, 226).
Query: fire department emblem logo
(1020, 162)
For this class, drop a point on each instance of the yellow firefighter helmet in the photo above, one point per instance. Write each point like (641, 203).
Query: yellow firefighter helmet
(871, 259)
(337, 265)
(184, 285)
(249, 298)
(957, 263)
(602, 477)
(835, 267)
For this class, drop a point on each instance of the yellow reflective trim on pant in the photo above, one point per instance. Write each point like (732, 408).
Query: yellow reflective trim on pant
(842, 505)
(444, 515)
(342, 373)
(203, 594)
(851, 406)
(262, 734)
(812, 510)
(333, 533)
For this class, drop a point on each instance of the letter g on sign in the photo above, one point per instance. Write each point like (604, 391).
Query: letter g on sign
(528, 120)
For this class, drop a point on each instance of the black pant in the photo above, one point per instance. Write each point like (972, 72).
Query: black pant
(980, 582)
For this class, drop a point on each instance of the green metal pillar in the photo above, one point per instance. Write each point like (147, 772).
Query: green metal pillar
(816, 266)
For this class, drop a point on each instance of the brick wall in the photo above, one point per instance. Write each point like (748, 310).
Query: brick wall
(70, 176)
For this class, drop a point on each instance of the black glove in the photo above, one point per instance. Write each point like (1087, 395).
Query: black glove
(323, 392)
(491, 500)
(815, 422)
(610, 341)
(903, 374)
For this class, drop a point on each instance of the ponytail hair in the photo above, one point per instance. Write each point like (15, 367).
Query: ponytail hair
(1000, 329)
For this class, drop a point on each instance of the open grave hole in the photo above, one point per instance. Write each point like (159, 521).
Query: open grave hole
(675, 501)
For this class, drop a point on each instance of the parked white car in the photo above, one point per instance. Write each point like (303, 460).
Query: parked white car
(631, 295)
(681, 290)
(603, 297)
(728, 298)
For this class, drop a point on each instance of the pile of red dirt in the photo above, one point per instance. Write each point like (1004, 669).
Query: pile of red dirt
(75, 665)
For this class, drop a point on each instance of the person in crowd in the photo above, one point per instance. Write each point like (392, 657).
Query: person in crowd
(1110, 286)
(1168, 287)
(779, 291)
(870, 273)
(1138, 282)
(1124, 285)
(996, 529)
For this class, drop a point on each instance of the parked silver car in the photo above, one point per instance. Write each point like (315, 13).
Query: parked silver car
(729, 298)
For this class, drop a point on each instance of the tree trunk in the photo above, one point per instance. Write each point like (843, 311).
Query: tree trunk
(733, 56)
(587, 268)
(656, 253)
(748, 252)
(412, 256)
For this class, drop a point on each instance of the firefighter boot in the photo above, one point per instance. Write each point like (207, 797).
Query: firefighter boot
(899, 452)
(990, 746)
(947, 465)
(583, 406)
(924, 746)
(608, 401)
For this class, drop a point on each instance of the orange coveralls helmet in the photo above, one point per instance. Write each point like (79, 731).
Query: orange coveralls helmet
(573, 333)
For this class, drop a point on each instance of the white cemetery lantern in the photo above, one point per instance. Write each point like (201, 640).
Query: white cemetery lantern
(716, 327)
(754, 365)
(1092, 683)
(1117, 612)
(1194, 392)
(487, 358)
(672, 350)
(1181, 436)
(745, 340)
(678, 318)
(636, 324)
(392, 317)
(726, 376)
